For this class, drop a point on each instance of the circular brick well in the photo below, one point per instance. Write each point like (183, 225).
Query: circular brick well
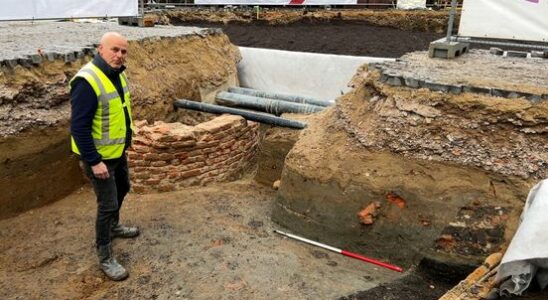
(168, 156)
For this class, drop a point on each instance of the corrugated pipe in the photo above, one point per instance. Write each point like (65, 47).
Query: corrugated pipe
(280, 96)
(249, 115)
(272, 106)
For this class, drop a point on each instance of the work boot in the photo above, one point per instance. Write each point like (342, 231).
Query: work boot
(123, 231)
(109, 265)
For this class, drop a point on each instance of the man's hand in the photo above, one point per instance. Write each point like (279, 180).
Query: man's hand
(100, 171)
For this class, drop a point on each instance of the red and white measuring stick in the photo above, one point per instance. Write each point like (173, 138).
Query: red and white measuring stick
(343, 252)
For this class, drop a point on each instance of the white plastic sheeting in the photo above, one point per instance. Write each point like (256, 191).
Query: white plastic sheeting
(323, 76)
(505, 19)
(48, 9)
(276, 2)
(527, 255)
(411, 4)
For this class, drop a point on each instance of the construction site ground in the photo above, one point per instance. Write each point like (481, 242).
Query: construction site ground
(344, 32)
(217, 241)
(201, 243)
(339, 37)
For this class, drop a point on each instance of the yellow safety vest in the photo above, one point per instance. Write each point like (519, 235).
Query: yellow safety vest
(108, 128)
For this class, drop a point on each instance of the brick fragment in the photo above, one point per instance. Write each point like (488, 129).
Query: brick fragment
(159, 163)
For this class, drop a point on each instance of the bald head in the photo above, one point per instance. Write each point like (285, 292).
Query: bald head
(113, 49)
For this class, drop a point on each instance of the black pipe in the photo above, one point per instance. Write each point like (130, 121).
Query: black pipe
(253, 116)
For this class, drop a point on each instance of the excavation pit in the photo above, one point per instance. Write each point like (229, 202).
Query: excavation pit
(200, 242)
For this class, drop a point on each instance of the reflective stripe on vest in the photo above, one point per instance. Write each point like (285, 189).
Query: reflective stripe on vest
(108, 147)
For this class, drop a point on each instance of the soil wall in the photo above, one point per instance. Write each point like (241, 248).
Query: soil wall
(368, 149)
(36, 166)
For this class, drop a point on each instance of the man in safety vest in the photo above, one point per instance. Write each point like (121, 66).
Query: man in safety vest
(101, 128)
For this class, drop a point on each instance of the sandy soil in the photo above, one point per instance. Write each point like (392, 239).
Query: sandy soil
(199, 243)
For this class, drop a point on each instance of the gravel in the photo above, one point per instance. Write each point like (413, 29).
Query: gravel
(477, 68)
(22, 39)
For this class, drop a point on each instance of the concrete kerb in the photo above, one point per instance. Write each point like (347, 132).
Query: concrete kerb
(34, 60)
(394, 79)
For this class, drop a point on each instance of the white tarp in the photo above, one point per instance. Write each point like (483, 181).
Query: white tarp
(322, 76)
(276, 2)
(46, 9)
(527, 255)
(505, 19)
(411, 4)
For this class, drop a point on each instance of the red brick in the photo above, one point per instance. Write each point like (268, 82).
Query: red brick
(159, 170)
(211, 126)
(140, 140)
(140, 148)
(134, 156)
(193, 159)
(213, 173)
(159, 163)
(139, 169)
(174, 175)
(220, 135)
(235, 145)
(152, 181)
(226, 144)
(142, 175)
(159, 145)
(208, 150)
(180, 155)
(138, 163)
(182, 144)
(190, 173)
(202, 145)
(152, 156)
(193, 165)
(195, 153)
(166, 156)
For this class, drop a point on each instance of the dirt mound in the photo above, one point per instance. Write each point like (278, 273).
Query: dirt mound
(443, 157)
(504, 136)
(431, 21)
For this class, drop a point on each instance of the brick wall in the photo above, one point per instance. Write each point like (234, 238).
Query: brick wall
(168, 156)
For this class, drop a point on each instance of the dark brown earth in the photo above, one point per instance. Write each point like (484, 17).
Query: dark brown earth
(335, 37)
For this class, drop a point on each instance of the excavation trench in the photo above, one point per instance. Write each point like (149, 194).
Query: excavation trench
(208, 223)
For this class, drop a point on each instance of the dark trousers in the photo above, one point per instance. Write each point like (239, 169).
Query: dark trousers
(110, 194)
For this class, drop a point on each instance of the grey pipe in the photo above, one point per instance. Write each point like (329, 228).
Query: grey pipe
(272, 106)
(280, 96)
(253, 116)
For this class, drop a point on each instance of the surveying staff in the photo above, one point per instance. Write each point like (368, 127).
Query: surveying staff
(101, 128)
